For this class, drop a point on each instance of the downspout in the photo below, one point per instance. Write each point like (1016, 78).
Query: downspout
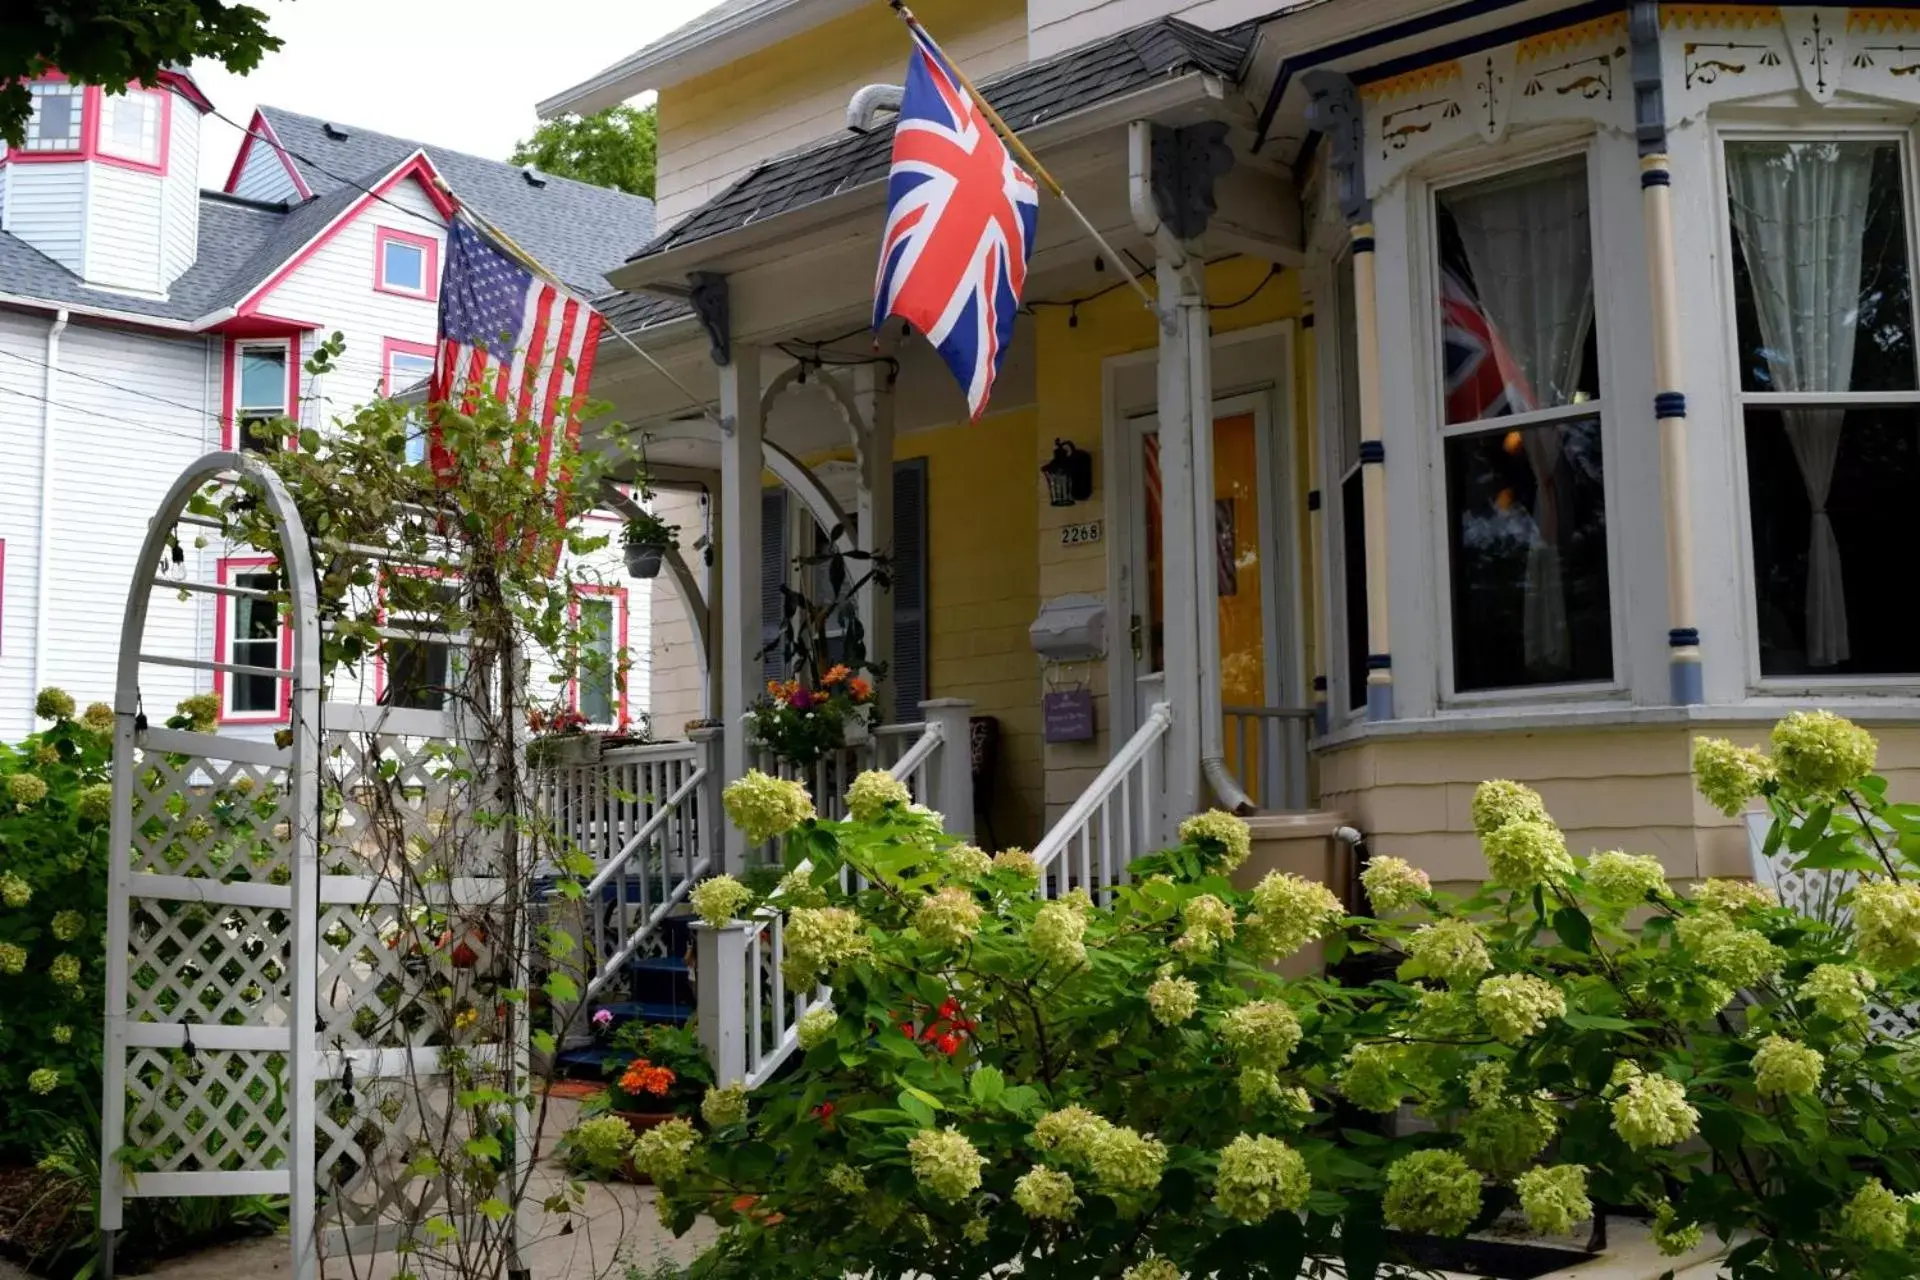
(1189, 316)
(43, 573)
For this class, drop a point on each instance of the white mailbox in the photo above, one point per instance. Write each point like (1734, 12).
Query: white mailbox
(1070, 628)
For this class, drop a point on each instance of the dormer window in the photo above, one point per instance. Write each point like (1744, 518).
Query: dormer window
(59, 116)
(131, 126)
(406, 264)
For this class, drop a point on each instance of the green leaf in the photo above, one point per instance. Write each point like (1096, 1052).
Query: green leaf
(562, 989)
(880, 1115)
(1595, 1022)
(921, 1113)
(925, 1097)
(494, 1209)
(1021, 1100)
(986, 1085)
(1574, 928)
(485, 1147)
(543, 1042)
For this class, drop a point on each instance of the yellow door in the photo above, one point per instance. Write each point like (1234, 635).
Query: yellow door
(1239, 567)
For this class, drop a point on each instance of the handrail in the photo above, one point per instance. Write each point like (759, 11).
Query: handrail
(930, 739)
(1105, 785)
(646, 833)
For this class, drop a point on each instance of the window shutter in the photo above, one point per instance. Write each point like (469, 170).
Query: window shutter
(773, 575)
(909, 672)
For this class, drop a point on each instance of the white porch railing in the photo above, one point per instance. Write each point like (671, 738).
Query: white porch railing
(746, 1016)
(916, 753)
(642, 814)
(1267, 752)
(1116, 820)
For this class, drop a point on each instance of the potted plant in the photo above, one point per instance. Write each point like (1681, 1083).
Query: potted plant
(656, 1072)
(646, 541)
(830, 700)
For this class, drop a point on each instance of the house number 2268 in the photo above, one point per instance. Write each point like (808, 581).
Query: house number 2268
(1079, 535)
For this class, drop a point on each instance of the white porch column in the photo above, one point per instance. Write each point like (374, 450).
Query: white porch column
(739, 562)
(1180, 608)
(875, 521)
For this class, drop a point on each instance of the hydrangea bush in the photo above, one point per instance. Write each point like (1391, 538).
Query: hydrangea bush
(1126, 1089)
(53, 895)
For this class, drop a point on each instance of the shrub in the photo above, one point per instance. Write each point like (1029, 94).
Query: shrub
(1026, 1086)
(53, 920)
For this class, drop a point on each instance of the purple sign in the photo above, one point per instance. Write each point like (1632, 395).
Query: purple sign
(1068, 716)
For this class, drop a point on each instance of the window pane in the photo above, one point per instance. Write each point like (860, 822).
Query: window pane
(1840, 618)
(596, 674)
(55, 122)
(1353, 545)
(417, 674)
(1528, 535)
(1822, 293)
(405, 266)
(404, 370)
(1516, 293)
(263, 379)
(130, 126)
(255, 642)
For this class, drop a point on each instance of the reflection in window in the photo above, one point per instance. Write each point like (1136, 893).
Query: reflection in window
(254, 642)
(1823, 302)
(595, 678)
(421, 670)
(262, 395)
(130, 125)
(1526, 507)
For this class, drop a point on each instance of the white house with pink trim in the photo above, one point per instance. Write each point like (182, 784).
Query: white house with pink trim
(144, 321)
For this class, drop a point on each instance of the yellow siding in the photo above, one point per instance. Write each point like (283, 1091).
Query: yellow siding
(1070, 386)
(983, 591)
(715, 126)
(1609, 788)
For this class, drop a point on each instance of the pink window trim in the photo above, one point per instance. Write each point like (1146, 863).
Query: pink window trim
(430, 268)
(391, 347)
(223, 638)
(91, 98)
(230, 385)
(620, 666)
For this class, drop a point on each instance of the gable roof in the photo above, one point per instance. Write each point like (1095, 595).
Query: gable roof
(576, 230)
(1025, 96)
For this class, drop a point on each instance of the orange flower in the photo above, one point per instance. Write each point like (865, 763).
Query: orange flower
(860, 689)
(773, 688)
(836, 674)
(642, 1076)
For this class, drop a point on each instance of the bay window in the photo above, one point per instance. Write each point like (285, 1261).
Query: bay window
(1823, 309)
(58, 117)
(130, 126)
(1522, 441)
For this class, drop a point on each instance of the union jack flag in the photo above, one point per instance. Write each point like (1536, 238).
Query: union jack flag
(960, 225)
(1484, 379)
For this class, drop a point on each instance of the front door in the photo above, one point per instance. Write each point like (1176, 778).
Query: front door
(1244, 566)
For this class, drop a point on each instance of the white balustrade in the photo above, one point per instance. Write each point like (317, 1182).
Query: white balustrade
(1117, 819)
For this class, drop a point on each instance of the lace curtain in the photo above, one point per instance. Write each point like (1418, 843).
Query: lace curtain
(1801, 209)
(1531, 253)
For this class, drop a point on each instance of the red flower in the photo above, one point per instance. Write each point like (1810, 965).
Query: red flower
(949, 1044)
(933, 1030)
(906, 1029)
(948, 1009)
(642, 1076)
(823, 1112)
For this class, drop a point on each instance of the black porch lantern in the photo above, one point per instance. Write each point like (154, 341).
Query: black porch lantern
(1069, 475)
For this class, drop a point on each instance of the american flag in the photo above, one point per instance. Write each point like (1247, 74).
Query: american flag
(960, 225)
(507, 329)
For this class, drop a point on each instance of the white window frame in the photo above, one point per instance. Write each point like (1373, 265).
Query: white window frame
(233, 573)
(154, 121)
(1335, 470)
(400, 620)
(32, 144)
(1434, 431)
(618, 619)
(1831, 124)
(242, 439)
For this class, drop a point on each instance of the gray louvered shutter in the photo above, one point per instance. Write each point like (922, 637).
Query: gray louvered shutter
(773, 576)
(909, 672)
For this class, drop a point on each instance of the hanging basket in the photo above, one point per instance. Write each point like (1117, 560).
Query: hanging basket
(644, 560)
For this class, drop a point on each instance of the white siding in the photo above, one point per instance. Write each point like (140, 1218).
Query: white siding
(46, 207)
(264, 176)
(180, 201)
(334, 288)
(1055, 25)
(676, 691)
(123, 229)
(709, 141)
(116, 452)
(23, 343)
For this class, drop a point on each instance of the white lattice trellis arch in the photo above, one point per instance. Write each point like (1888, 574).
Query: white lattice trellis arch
(266, 1030)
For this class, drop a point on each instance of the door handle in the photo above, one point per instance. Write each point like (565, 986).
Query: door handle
(1134, 630)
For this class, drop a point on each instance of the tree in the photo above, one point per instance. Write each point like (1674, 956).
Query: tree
(114, 43)
(616, 148)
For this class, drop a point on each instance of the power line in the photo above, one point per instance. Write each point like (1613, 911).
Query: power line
(196, 410)
(101, 417)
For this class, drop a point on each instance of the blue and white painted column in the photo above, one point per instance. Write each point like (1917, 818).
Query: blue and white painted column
(1670, 400)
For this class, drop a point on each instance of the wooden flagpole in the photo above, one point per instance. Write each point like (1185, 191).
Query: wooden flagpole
(1025, 156)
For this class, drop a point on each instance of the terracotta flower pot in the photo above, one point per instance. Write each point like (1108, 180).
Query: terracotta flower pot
(639, 1122)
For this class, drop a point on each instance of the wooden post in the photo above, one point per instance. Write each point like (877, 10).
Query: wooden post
(740, 620)
(1179, 611)
(951, 769)
(720, 983)
(1373, 476)
(1670, 408)
(875, 519)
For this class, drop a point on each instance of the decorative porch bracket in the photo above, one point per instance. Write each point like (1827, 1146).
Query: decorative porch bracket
(1670, 400)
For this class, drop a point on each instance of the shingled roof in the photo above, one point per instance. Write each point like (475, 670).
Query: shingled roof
(578, 231)
(1026, 96)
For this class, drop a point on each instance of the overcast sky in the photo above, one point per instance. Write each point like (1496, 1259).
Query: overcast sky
(460, 73)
